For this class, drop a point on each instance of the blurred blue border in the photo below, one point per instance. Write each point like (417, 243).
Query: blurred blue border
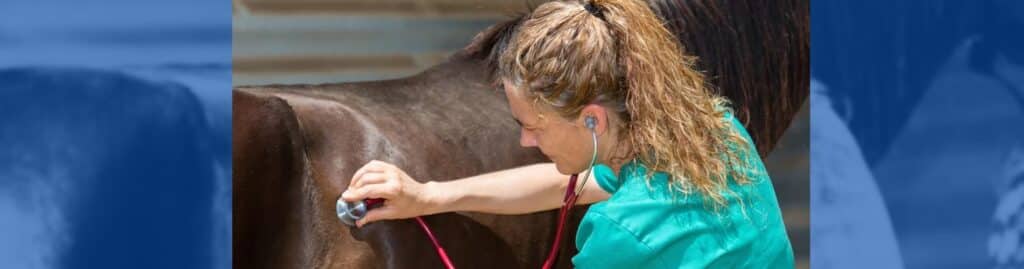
(115, 121)
(917, 146)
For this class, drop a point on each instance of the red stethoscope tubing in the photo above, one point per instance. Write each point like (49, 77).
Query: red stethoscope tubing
(372, 203)
(563, 214)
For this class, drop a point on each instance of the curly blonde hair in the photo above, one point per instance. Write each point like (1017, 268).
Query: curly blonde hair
(617, 53)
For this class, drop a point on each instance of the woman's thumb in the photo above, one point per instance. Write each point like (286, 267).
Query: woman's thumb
(381, 213)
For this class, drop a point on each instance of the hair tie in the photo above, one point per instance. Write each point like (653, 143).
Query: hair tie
(594, 10)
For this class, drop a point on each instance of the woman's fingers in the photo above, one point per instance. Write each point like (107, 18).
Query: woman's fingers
(353, 193)
(387, 190)
(372, 166)
(382, 180)
(374, 172)
(369, 179)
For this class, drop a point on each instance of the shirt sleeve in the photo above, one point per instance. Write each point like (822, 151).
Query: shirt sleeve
(606, 244)
(605, 177)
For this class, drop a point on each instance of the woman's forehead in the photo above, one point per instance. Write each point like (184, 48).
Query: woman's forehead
(519, 104)
(523, 110)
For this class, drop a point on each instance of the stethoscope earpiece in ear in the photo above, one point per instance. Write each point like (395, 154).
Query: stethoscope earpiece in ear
(590, 122)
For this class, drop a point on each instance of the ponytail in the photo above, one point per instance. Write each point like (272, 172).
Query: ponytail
(677, 122)
(619, 53)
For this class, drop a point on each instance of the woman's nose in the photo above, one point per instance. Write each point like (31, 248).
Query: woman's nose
(527, 139)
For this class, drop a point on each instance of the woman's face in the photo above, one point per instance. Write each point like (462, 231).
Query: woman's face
(567, 143)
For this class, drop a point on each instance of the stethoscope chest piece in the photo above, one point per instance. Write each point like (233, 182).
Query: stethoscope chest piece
(350, 212)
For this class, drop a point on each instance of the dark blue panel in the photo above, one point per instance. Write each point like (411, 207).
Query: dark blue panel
(115, 134)
(917, 143)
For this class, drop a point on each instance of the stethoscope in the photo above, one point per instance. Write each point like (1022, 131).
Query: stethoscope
(350, 212)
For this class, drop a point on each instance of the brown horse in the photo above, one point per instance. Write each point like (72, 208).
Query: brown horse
(296, 146)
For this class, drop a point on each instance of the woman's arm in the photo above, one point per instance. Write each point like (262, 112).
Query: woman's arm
(519, 190)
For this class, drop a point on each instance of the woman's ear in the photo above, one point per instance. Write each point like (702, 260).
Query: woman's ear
(596, 115)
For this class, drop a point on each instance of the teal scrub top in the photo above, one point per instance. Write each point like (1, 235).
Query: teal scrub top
(646, 226)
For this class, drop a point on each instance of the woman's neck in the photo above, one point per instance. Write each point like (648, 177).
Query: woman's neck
(615, 155)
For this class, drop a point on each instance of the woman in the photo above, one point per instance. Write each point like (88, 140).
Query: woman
(678, 183)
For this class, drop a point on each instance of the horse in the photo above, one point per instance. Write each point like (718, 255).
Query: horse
(295, 146)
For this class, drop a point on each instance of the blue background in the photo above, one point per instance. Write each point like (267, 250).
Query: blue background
(115, 134)
(917, 134)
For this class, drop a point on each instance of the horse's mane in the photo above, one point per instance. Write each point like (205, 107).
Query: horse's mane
(755, 53)
(488, 44)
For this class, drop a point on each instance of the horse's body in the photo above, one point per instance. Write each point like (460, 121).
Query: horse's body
(325, 133)
(296, 147)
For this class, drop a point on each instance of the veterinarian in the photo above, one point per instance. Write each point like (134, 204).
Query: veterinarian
(602, 86)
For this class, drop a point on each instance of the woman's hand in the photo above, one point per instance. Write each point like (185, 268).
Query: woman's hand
(404, 197)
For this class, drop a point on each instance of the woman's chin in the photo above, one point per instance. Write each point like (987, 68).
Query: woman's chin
(561, 171)
(565, 170)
